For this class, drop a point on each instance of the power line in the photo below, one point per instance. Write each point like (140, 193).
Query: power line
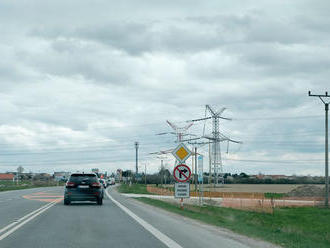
(275, 161)
(278, 118)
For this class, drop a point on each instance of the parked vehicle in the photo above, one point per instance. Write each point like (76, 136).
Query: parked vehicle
(83, 187)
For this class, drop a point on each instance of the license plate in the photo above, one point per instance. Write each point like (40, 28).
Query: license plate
(83, 186)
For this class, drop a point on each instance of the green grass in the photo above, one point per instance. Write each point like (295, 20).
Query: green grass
(9, 185)
(289, 227)
(274, 195)
(133, 189)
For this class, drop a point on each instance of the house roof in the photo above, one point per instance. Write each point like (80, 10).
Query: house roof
(5, 176)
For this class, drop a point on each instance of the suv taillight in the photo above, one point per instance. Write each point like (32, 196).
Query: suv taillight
(96, 185)
(70, 184)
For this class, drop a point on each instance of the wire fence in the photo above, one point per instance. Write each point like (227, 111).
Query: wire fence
(241, 200)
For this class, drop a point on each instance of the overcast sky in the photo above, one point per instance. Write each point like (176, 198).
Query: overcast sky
(80, 81)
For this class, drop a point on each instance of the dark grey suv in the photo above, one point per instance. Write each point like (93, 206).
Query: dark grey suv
(83, 187)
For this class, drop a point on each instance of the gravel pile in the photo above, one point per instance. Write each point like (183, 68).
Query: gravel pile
(307, 191)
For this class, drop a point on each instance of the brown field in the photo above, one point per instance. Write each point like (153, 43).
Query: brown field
(256, 188)
(251, 188)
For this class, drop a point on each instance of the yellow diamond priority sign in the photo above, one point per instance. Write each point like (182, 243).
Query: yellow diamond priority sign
(181, 153)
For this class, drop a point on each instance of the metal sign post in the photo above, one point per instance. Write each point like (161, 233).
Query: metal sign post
(182, 174)
(200, 178)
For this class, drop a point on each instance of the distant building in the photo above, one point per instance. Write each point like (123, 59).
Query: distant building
(61, 175)
(6, 177)
(42, 177)
(261, 176)
(279, 176)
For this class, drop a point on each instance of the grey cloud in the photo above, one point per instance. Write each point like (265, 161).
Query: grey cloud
(129, 64)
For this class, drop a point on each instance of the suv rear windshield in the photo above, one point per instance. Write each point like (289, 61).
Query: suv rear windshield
(88, 178)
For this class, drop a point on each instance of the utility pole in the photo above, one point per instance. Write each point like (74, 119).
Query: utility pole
(161, 171)
(195, 176)
(326, 104)
(145, 173)
(210, 165)
(136, 158)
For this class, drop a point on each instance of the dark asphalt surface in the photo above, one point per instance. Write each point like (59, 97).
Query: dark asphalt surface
(14, 206)
(90, 225)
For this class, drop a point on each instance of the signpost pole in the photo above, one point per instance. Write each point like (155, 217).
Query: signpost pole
(326, 157)
(145, 173)
(200, 178)
(182, 173)
(196, 164)
(202, 191)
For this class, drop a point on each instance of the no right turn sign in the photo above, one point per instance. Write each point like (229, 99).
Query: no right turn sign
(181, 173)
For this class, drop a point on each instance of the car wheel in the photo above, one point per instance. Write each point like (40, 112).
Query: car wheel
(66, 202)
(99, 201)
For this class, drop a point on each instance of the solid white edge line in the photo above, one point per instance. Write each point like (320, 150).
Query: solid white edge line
(158, 234)
(6, 234)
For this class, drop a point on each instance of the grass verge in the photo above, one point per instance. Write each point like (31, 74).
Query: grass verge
(133, 189)
(274, 195)
(289, 227)
(7, 186)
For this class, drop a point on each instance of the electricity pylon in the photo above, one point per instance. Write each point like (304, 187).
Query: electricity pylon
(215, 138)
(178, 131)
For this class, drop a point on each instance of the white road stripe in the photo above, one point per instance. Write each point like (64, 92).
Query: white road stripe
(23, 218)
(158, 234)
(17, 224)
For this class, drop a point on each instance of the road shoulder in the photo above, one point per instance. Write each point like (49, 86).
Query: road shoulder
(143, 209)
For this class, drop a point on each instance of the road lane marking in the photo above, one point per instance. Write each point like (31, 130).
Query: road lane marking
(25, 219)
(158, 234)
(22, 218)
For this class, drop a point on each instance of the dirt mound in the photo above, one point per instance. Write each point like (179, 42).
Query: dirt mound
(307, 191)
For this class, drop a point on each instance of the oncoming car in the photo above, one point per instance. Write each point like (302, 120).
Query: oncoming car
(83, 187)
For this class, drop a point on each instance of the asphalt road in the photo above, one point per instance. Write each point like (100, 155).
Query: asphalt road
(38, 218)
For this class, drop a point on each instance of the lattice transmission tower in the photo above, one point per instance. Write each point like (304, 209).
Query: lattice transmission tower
(179, 132)
(216, 138)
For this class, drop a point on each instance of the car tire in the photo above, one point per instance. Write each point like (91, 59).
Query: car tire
(66, 202)
(99, 201)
